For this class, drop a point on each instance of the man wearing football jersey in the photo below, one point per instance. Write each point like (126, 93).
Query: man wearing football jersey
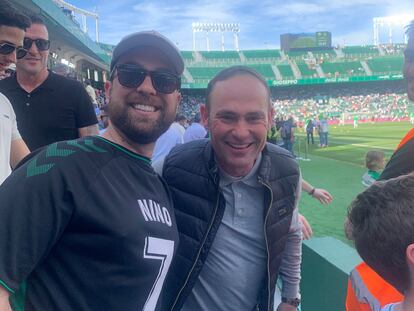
(87, 224)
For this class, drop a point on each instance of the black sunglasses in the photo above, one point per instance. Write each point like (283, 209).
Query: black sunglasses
(41, 44)
(7, 48)
(132, 76)
(409, 56)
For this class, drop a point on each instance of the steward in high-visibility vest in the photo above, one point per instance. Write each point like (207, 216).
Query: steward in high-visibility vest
(367, 291)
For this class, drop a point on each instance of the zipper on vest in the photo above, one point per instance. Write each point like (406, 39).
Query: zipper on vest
(199, 251)
(267, 244)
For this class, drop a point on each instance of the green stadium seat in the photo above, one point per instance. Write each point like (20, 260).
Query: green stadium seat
(261, 54)
(390, 64)
(220, 55)
(187, 55)
(360, 51)
(265, 70)
(204, 73)
(306, 71)
(286, 71)
(351, 68)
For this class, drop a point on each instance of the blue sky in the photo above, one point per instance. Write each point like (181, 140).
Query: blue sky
(261, 22)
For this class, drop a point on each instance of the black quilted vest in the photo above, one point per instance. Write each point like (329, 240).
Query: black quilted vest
(192, 175)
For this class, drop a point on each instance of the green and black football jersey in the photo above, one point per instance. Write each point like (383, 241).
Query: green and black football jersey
(86, 225)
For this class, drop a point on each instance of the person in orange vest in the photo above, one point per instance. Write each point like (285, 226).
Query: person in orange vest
(364, 284)
(382, 222)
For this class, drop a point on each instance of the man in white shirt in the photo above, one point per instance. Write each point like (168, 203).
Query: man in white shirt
(173, 136)
(12, 30)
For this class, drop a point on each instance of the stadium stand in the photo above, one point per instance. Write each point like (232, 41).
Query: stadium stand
(360, 51)
(388, 64)
(286, 71)
(261, 55)
(353, 68)
(265, 70)
(307, 70)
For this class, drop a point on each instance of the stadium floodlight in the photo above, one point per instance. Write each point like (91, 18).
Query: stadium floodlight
(216, 27)
(390, 21)
(84, 14)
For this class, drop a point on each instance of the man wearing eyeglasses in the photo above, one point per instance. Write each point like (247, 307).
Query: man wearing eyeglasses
(12, 146)
(87, 223)
(48, 107)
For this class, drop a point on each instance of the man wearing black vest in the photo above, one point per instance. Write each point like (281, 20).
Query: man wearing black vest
(235, 200)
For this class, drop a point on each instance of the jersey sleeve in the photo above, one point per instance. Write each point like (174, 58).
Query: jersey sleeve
(36, 206)
(401, 162)
(85, 113)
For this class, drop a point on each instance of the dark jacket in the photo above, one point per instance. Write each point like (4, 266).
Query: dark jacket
(192, 174)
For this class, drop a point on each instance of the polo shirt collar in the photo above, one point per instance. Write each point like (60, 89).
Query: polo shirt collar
(250, 179)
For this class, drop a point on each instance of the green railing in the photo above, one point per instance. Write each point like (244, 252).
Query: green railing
(326, 265)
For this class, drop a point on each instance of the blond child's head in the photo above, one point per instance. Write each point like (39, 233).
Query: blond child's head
(375, 160)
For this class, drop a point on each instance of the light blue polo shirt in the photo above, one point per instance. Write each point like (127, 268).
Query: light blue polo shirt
(235, 269)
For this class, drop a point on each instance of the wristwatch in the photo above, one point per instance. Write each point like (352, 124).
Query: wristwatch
(292, 301)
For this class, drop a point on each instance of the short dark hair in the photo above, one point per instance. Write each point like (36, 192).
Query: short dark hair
(382, 226)
(409, 30)
(37, 19)
(231, 72)
(9, 16)
(180, 117)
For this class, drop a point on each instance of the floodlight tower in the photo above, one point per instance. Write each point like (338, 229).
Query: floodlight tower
(389, 21)
(84, 14)
(216, 27)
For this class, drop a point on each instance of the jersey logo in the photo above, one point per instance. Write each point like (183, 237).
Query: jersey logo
(152, 211)
(57, 150)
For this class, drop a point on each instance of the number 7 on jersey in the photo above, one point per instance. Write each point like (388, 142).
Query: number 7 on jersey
(162, 250)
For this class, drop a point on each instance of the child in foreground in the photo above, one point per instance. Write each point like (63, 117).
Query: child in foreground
(382, 225)
(375, 163)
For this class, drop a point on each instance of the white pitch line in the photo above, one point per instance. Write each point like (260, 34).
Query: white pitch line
(377, 147)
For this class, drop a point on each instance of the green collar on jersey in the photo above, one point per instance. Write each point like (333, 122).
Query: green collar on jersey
(123, 149)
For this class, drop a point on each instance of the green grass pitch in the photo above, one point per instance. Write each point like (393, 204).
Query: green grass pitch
(339, 168)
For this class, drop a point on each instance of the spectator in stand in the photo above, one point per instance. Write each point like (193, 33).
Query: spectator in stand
(48, 107)
(91, 92)
(172, 137)
(375, 163)
(12, 29)
(196, 130)
(61, 69)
